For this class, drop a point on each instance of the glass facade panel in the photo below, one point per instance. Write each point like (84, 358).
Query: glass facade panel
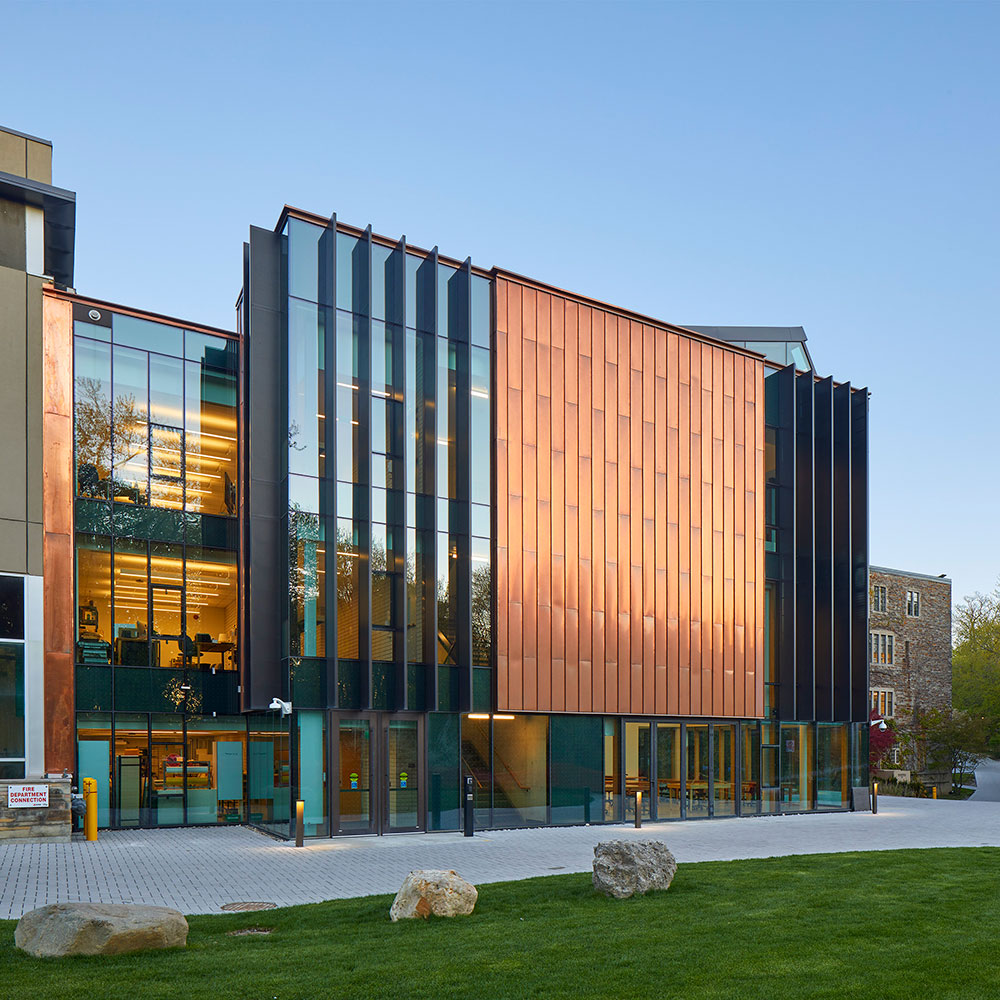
(403, 765)
(638, 758)
(307, 325)
(146, 335)
(312, 772)
(210, 440)
(355, 791)
(724, 770)
(832, 770)
(798, 767)
(750, 765)
(612, 771)
(168, 764)
(481, 322)
(477, 762)
(130, 423)
(11, 607)
(520, 766)
(668, 770)
(11, 700)
(216, 770)
(348, 589)
(444, 771)
(93, 749)
(92, 418)
(698, 758)
(268, 774)
(577, 768)
(306, 584)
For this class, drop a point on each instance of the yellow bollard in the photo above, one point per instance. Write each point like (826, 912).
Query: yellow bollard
(933, 791)
(90, 799)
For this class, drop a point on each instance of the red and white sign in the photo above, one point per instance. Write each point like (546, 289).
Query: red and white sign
(27, 796)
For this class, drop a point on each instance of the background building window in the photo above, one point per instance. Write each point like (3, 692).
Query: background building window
(878, 598)
(913, 604)
(880, 647)
(883, 702)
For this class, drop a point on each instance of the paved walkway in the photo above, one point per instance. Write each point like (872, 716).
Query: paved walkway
(987, 782)
(197, 870)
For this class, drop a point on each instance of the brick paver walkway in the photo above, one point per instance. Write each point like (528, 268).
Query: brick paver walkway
(197, 870)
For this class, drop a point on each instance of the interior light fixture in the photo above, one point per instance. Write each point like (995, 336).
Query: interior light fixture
(504, 718)
(478, 715)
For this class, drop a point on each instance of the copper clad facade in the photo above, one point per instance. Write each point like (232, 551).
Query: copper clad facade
(57, 543)
(630, 562)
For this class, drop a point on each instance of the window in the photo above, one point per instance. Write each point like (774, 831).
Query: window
(913, 604)
(878, 598)
(880, 647)
(882, 701)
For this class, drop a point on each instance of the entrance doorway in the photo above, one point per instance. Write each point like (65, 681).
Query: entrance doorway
(380, 774)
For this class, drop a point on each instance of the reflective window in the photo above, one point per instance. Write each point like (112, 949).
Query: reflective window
(480, 450)
(306, 584)
(306, 396)
(482, 602)
(832, 777)
(724, 770)
(481, 323)
(130, 331)
(797, 752)
(698, 759)
(92, 418)
(11, 700)
(520, 770)
(638, 764)
(303, 260)
(348, 588)
(11, 607)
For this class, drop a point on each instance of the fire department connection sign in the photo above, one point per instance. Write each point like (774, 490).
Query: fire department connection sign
(27, 796)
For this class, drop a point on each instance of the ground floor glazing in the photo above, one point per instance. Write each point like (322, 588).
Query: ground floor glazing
(377, 772)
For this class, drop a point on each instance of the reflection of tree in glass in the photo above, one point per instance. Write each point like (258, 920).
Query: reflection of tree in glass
(107, 437)
(482, 617)
(303, 575)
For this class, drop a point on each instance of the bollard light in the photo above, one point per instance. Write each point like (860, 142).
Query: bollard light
(638, 808)
(300, 812)
(874, 797)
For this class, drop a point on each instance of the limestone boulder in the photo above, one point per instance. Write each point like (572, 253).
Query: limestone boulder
(99, 929)
(426, 892)
(624, 868)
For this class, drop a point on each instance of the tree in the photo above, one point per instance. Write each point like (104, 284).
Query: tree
(880, 741)
(951, 739)
(976, 658)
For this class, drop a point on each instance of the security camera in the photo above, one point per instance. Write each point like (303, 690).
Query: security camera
(284, 706)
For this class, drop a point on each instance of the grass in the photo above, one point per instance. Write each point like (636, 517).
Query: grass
(894, 924)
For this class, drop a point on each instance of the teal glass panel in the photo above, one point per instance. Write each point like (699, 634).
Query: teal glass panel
(93, 516)
(443, 772)
(382, 695)
(352, 276)
(308, 682)
(145, 335)
(208, 351)
(577, 768)
(93, 688)
(482, 689)
(416, 687)
(349, 689)
(92, 330)
(312, 772)
(447, 689)
(94, 756)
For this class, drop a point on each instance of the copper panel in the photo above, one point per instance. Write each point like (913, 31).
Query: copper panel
(58, 487)
(635, 556)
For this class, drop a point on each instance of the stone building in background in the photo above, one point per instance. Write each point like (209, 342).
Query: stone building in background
(909, 644)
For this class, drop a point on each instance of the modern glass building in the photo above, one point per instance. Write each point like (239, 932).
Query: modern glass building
(451, 522)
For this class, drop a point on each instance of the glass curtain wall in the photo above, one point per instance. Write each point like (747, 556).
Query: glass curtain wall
(12, 747)
(155, 425)
(389, 462)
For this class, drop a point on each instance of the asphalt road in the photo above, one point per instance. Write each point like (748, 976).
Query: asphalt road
(987, 782)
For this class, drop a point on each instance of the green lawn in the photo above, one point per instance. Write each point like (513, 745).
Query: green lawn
(899, 924)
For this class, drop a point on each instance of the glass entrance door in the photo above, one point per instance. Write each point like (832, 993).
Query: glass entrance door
(355, 788)
(402, 776)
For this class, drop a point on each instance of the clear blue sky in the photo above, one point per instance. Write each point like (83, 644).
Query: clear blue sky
(829, 165)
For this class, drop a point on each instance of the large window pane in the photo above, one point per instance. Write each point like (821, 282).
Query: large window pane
(303, 259)
(348, 589)
(750, 777)
(668, 771)
(697, 771)
(93, 591)
(476, 763)
(11, 699)
(130, 415)
(724, 771)
(131, 604)
(443, 771)
(482, 602)
(11, 607)
(612, 771)
(212, 591)
(638, 756)
(312, 773)
(306, 398)
(216, 772)
(268, 774)
(167, 765)
(832, 776)
(577, 768)
(520, 784)
(210, 440)
(306, 584)
(146, 335)
(92, 417)
(480, 451)
(481, 323)
(797, 752)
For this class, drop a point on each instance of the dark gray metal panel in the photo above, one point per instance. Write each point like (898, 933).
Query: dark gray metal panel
(842, 553)
(261, 479)
(59, 206)
(823, 547)
(859, 555)
(782, 385)
(805, 566)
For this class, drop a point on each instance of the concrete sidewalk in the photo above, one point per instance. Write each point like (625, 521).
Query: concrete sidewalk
(197, 870)
(987, 782)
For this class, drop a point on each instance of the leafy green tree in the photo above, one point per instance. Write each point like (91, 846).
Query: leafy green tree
(951, 739)
(976, 658)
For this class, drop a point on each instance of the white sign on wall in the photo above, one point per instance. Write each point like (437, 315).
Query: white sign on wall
(27, 796)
